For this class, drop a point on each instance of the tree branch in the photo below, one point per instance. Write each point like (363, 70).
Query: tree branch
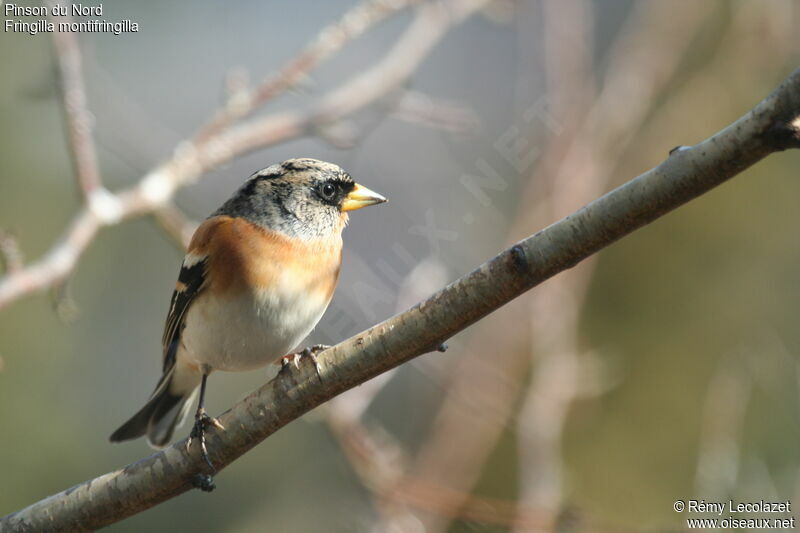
(688, 172)
(328, 42)
(191, 159)
(79, 120)
(10, 254)
(584, 145)
(176, 224)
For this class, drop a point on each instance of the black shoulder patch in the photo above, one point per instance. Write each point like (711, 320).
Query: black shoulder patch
(190, 283)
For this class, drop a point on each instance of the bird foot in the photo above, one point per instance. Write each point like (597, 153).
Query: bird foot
(201, 422)
(204, 482)
(309, 353)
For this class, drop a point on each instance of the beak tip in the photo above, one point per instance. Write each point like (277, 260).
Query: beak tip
(362, 197)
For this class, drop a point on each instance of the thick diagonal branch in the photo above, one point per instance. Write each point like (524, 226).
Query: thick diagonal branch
(687, 173)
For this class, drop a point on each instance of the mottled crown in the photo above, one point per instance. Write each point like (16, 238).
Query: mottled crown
(299, 197)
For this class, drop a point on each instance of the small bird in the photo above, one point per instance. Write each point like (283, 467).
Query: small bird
(258, 276)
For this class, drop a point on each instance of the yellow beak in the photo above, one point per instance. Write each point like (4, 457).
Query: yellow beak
(361, 197)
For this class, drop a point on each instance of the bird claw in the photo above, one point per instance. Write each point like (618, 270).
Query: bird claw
(201, 422)
(204, 482)
(309, 353)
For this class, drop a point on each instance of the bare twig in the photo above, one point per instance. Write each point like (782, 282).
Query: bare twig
(175, 222)
(419, 108)
(555, 309)
(79, 120)
(575, 166)
(478, 403)
(57, 263)
(10, 253)
(592, 149)
(773, 125)
(430, 24)
(724, 410)
(381, 465)
(331, 39)
(377, 459)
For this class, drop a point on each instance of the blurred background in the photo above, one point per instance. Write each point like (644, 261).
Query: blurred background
(666, 367)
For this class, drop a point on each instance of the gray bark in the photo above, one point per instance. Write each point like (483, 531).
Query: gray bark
(773, 125)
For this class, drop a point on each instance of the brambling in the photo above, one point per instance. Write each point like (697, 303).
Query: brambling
(258, 275)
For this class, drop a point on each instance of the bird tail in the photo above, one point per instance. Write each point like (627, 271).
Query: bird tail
(164, 411)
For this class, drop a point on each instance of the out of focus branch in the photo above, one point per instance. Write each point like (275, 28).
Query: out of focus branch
(729, 393)
(773, 125)
(79, 120)
(176, 224)
(555, 308)
(194, 158)
(419, 108)
(642, 64)
(574, 166)
(10, 254)
(328, 42)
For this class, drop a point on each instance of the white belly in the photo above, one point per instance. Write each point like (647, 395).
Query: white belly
(247, 331)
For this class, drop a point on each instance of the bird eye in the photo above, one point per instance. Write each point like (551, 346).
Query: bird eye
(328, 191)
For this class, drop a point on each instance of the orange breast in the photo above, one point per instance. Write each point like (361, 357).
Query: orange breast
(244, 256)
